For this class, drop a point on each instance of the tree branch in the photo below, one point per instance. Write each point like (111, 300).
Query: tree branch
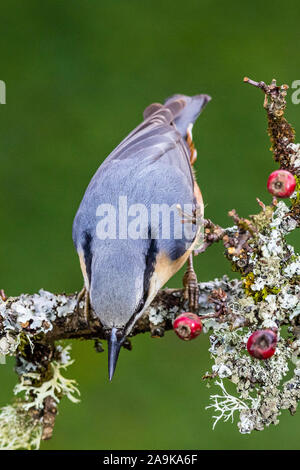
(48, 317)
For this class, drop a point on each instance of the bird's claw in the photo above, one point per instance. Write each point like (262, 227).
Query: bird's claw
(191, 290)
(3, 295)
(83, 294)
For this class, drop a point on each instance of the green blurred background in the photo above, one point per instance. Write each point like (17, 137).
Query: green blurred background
(78, 76)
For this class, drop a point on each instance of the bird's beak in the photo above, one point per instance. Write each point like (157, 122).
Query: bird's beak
(114, 346)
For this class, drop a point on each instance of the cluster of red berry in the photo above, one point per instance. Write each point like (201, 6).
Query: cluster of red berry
(261, 344)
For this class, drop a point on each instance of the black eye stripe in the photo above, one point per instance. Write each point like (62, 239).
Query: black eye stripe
(87, 253)
(150, 260)
(150, 263)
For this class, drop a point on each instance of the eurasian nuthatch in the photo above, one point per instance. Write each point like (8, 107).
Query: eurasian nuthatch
(124, 256)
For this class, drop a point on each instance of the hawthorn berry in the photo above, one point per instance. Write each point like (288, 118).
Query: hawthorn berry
(281, 183)
(262, 344)
(187, 326)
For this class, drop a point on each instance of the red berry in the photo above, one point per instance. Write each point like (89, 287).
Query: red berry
(187, 326)
(281, 183)
(262, 344)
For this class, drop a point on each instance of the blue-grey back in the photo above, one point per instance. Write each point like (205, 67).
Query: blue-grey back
(150, 168)
(149, 171)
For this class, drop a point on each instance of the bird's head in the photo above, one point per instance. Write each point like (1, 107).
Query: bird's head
(119, 289)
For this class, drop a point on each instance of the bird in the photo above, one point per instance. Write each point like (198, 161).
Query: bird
(151, 168)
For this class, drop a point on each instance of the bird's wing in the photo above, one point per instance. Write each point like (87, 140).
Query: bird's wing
(163, 129)
(154, 137)
(151, 164)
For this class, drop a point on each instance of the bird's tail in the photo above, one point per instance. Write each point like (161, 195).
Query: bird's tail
(192, 107)
(182, 110)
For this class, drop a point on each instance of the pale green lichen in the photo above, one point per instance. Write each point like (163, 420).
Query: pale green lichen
(227, 405)
(38, 310)
(18, 429)
(158, 315)
(20, 424)
(56, 387)
(271, 299)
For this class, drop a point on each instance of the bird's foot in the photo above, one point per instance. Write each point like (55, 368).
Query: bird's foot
(191, 290)
(196, 218)
(84, 315)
